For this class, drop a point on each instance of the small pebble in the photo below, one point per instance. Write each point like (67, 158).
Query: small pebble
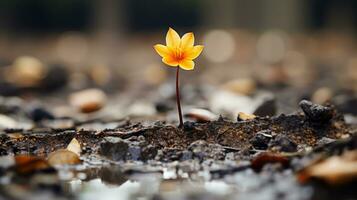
(187, 125)
(38, 114)
(267, 108)
(316, 112)
(322, 95)
(201, 115)
(283, 143)
(244, 86)
(261, 140)
(163, 106)
(26, 71)
(243, 116)
(141, 108)
(58, 123)
(7, 122)
(88, 100)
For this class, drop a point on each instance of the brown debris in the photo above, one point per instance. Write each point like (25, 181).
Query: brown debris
(26, 164)
(266, 158)
(334, 170)
(63, 157)
(244, 116)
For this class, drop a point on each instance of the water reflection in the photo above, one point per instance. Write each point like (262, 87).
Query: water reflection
(97, 189)
(141, 181)
(112, 183)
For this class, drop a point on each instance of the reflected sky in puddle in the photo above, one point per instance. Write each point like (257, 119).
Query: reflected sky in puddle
(137, 181)
(169, 185)
(118, 182)
(97, 190)
(144, 189)
(146, 186)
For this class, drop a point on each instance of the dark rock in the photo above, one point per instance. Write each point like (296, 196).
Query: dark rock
(323, 141)
(38, 114)
(316, 112)
(188, 126)
(283, 143)
(261, 139)
(148, 152)
(221, 118)
(117, 149)
(56, 78)
(186, 155)
(203, 150)
(114, 148)
(267, 108)
(163, 106)
(168, 154)
(134, 151)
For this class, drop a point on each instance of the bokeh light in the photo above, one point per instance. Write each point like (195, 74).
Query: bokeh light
(219, 45)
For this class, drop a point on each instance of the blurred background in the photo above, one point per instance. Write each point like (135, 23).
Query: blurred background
(301, 48)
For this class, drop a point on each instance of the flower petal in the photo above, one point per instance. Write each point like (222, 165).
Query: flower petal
(194, 52)
(172, 38)
(187, 64)
(162, 50)
(169, 61)
(187, 40)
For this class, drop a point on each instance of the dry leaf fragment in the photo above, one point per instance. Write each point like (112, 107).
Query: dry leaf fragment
(63, 157)
(265, 158)
(334, 170)
(244, 116)
(15, 136)
(74, 146)
(26, 164)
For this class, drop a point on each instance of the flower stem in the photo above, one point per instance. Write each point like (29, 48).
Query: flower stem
(178, 97)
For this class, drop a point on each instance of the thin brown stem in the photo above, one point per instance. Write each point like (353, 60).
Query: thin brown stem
(178, 97)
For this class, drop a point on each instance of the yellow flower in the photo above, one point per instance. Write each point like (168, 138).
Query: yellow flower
(179, 51)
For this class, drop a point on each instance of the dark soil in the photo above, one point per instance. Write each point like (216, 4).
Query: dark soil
(274, 147)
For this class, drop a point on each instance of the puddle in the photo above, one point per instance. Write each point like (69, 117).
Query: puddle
(96, 179)
(96, 189)
(147, 187)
